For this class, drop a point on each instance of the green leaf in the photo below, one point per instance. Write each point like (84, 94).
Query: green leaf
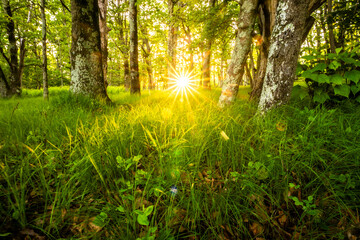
(353, 75)
(309, 57)
(334, 65)
(358, 99)
(336, 79)
(299, 92)
(143, 220)
(101, 219)
(4, 234)
(322, 78)
(338, 50)
(355, 89)
(120, 209)
(319, 67)
(148, 210)
(308, 74)
(342, 90)
(320, 96)
(137, 158)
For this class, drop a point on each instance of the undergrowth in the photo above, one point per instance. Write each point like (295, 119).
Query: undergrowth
(154, 167)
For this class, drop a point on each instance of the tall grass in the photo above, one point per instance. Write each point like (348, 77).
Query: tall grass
(76, 168)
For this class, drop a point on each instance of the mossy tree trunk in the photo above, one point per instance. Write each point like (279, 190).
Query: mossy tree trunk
(104, 29)
(286, 40)
(134, 52)
(44, 58)
(172, 39)
(12, 85)
(87, 77)
(206, 68)
(235, 71)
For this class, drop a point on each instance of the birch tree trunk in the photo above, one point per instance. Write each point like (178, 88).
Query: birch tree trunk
(87, 77)
(134, 52)
(284, 50)
(246, 21)
(44, 58)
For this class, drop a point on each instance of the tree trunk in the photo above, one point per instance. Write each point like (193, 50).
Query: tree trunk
(284, 50)
(267, 15)
(172, 40)
(103, 4)
(242, 46)
(134, 64)
(207, 61)
(330, 26)
(44, 58)
(13, 84)
(147, 52)
(124, 47)
(86, 59)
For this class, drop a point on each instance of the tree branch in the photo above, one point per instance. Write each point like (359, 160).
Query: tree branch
(6, 58)
(64, 5)
(3, 77)
(315, 4)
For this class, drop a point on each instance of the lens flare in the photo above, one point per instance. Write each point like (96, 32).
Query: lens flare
(182, 84)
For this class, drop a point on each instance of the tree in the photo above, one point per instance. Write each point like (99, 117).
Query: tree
(12, 85)
(134, 52)
(146, 49)
(103, 4)
(206, 68)
(172, 38)
(235, 71)
(45, 72)
(87, 77)
(293, 23)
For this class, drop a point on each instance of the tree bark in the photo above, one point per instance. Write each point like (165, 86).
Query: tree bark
(330, 26)
(14, 82)
(124, 47)
(87, 77)
(44, 58)
(134, 52)
(172, 40)
(267, 13)
(242, 46)
(207, 61)
(284, 50)
(103, 4)
(147, 52)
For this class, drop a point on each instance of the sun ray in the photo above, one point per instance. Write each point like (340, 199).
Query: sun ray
(182, 84)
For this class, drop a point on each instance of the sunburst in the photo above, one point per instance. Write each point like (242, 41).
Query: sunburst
(182, 84)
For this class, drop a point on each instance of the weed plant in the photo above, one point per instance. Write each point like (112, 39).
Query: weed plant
(156, 167)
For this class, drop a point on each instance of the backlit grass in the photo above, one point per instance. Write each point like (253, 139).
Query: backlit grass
(76, 168)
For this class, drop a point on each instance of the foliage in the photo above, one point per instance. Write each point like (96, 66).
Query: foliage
(76, 169)
(332, 77)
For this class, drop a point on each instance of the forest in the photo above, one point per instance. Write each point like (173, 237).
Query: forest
(180, 119)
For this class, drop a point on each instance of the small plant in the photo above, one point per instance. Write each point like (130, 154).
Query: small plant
(332, 77)
(142, 215)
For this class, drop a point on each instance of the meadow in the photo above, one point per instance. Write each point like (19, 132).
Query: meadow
(156, 167)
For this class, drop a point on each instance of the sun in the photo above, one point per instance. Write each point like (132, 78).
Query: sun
(182, 84)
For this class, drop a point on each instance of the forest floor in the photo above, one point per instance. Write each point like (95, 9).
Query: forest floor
(156, 167)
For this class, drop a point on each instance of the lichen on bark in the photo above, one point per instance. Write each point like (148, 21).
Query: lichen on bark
(86, 56)
(284, 50)
(246, 22)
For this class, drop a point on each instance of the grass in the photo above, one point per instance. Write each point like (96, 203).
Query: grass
(73, 168)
